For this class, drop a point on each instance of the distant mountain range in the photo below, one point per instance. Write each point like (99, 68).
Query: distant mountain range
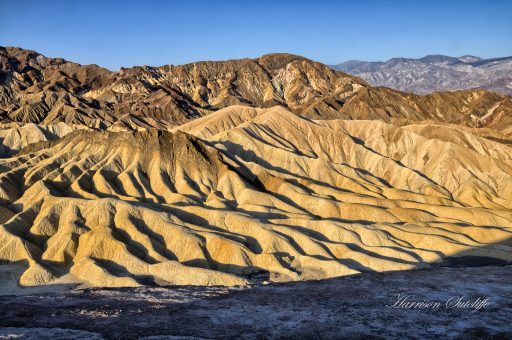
(435, 73)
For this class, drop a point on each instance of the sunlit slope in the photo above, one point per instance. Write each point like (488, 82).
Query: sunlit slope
(255, 194)
(14, 137)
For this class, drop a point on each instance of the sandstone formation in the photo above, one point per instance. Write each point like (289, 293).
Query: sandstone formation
(14, 137)
(228, 173)
(246, 194)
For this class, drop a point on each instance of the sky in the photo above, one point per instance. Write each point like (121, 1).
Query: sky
(125, 33)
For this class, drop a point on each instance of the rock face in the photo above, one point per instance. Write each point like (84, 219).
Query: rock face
(465, 108)
(246, 194)
(435, 73)
(40, 90)
(37, 89)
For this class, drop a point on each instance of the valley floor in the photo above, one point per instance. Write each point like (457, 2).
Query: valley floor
(351, 306)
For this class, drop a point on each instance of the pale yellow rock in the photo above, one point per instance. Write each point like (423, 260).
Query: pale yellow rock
(256, 194)
(14, 137)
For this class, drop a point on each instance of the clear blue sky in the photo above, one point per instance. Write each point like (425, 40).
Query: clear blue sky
(126, 33)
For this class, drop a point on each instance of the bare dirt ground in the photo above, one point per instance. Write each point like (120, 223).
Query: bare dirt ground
(347, 307)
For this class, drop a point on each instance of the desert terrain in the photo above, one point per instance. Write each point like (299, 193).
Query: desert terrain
(245, 176)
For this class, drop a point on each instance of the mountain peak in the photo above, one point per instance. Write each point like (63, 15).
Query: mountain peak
(469, 58)
(438, 58)
(278, 60)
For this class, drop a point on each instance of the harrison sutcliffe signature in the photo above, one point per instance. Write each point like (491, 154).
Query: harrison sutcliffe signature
(455, 302)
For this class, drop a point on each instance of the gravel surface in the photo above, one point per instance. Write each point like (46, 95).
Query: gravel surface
(441, 302)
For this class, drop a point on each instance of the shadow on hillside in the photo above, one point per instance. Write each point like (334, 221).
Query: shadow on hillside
(497, 254)
(10, 273)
